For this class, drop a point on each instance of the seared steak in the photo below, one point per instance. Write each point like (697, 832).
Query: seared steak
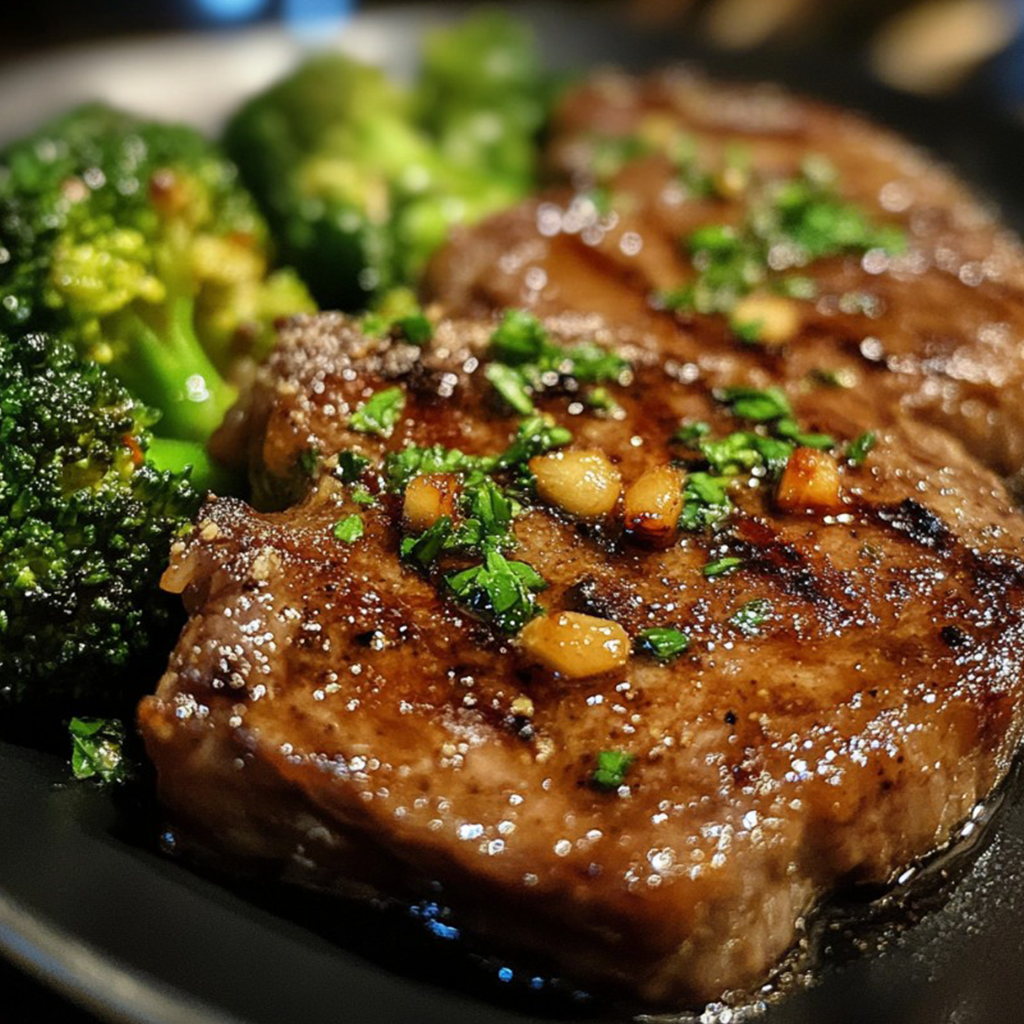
(654, 821)
(643, 163)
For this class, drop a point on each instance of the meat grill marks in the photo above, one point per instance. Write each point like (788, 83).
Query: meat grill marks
(936, 329)
(331, 717)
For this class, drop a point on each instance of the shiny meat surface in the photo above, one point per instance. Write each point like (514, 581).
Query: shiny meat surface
(938, 328)
(332, 715)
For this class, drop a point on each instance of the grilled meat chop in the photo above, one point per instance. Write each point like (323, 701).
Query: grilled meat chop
(338, 716)
(937, 328)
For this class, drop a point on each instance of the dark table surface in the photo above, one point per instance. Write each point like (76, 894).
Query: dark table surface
(26, 1001)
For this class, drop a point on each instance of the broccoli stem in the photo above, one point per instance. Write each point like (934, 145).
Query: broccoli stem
(171, 372)
(176, 455)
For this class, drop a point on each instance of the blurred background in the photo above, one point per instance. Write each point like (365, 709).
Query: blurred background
(924, 46)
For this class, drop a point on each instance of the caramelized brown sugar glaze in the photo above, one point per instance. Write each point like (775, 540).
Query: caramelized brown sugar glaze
(330, 717)
(938, 329)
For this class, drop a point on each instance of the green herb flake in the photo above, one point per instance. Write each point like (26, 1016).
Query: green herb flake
(761, 405)
(722, 566)
(748, 331)
(499, 590)
(424, 549)
(749, 618)
(535, 436)
(612, 766)
(665, 643)
(691, 432)
(706, 502)
(379, 414)
(415, 328)
(351, 466)
(349, 529)
(97, 749)
(857, 450)
(601, 399)
(361, 496)
(511, 385)
(789, 428)
(519, 338)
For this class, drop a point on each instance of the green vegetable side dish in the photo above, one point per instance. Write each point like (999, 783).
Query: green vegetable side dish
(135, 240)
(85, 528)
(362, 179)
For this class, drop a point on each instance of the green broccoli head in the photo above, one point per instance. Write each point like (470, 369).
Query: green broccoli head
(362, 180)
(137, 239)
(85, 526)
(484, 96)
(321, 151)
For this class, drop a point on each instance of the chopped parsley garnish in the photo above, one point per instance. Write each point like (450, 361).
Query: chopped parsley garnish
(749, 617)
(601, 399)
(349, 529)
(789, 428)
(399, 316)
(97, 749)
(745, 450)
(519, 338)
(664, 642)
(424, 549)
(857, 450)
(706, 503)
(379, 414)
(691, 432)
(415, 328)
(401, 466)
(499, 590)
(763, 451)
(510, 383)
(749, 331)
(526, 360)
(721, 566)
(612, 766)
(789, 224)
(361, 496)
(351, 466)
(760, 405)
(535, 436)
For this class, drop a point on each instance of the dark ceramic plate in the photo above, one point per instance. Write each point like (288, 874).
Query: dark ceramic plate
(89, 905)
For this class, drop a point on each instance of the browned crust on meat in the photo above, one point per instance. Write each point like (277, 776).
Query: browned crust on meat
(327, 713)
(942, 334)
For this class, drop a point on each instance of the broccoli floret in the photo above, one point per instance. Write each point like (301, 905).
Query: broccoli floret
(362, 180)
(137, 239)
(85, 527)
(483, 94)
